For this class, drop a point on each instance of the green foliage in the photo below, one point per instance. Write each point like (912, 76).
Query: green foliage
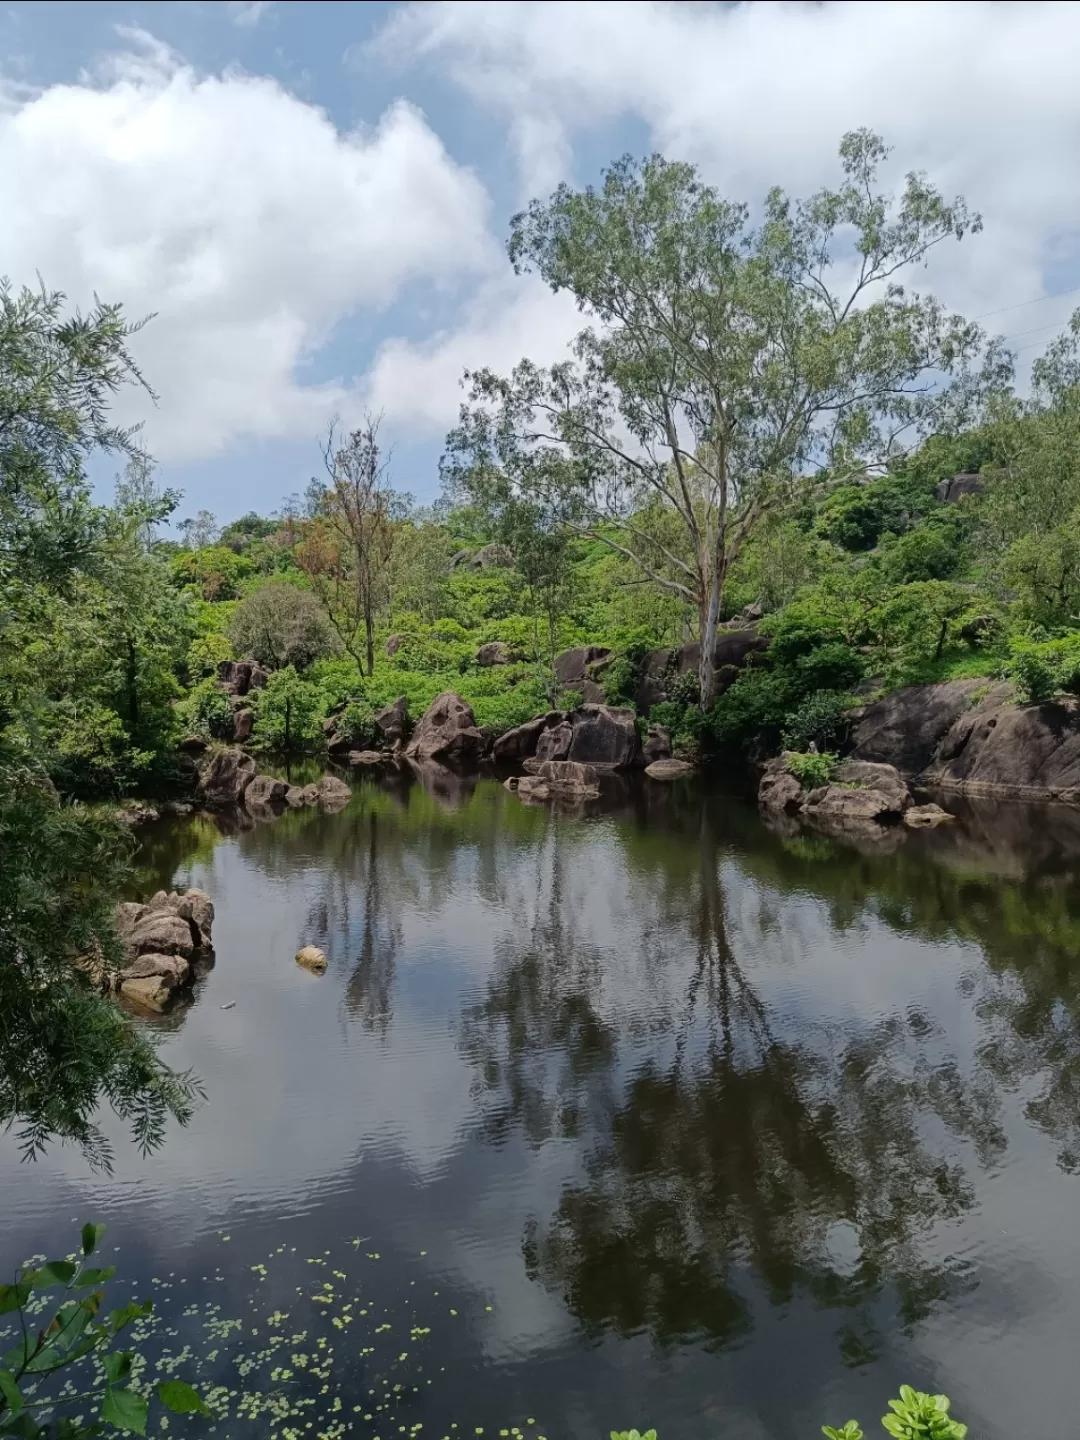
(288, 714)
(850, 1431)
(206, 711)
(811, 769)
(821, 718)
(279, 625)
(832, 666)
(356, 723)
(1041, 669)
(206, 653)
(918, 1416)
(856, 517)
(79, 1337)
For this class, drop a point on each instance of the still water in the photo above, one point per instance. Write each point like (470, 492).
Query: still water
(641, 1115)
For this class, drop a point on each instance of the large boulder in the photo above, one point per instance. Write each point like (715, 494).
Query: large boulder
(907, 727)
(393, 722)
(955, 487)
(491, 557)
(581, 668)
(266, 790)
(735, 644)
(496, 652)
(172, 968)
(669, 769)
(521, 742)
(226, 778)
(555, 742)
(243, 724)
(393, 645)
(239, 677)
(860, 793)
(884, 780)
(657, 745)
(570, 776)
(779, 792)
(447, 732)
(604, 735)
(196, 907)
(332, 793)
(160, 932)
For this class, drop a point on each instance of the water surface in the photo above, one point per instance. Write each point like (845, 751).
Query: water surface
(635, 1114)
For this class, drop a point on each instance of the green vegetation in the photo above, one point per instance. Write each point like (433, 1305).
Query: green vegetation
(812, 769)
(913, 1415)
(734, 434)
(72, 1341)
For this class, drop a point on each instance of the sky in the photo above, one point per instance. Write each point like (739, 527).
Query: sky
(312, 199)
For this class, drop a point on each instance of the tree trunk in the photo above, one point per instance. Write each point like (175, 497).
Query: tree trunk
(132, 687)
(710, 615)
(369, 627)
(288, 719)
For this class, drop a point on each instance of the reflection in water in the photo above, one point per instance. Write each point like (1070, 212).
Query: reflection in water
(650, 1075)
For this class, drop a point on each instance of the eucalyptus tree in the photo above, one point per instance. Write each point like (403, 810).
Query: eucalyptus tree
(727, 363)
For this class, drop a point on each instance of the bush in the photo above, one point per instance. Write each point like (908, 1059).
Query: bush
(206, 652)
(288, 714)
(1032, 674)
(754, 708)
(207, 711)
(356, 723)
(821, 719)
(832, 666)
(812, 770)
(281, 625)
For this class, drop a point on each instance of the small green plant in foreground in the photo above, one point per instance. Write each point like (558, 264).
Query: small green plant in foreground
(73, 1333)
(914, 1416)
(812, 770)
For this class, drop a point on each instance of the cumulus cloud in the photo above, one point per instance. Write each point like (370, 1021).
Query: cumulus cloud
(242, 217)
(980, 95)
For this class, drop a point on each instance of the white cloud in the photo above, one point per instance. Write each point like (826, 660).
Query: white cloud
(980, 94)
(419, 383)
(242, 217)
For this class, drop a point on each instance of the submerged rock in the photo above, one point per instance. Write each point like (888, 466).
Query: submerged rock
(669, 769)
(312, 958)
(919, 816)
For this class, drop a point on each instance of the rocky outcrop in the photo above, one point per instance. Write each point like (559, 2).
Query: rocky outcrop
(521, 742)
(973, 737)
(447, 732)
(657, 745)
(239, 677)
(265, 790)
(557, 777)
(393, 722)
(163, 941)
(226, 778)
(860, 794)
(497, 652)
(669, 769)
(605, 736)
(581, 668)
(661, 668)
(393, 645)
(243, 724)
(491, 557)
(955, 487)
(329, 793)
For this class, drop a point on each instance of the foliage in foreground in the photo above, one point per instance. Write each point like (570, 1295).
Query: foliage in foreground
(913, 1415)
(76, 1336)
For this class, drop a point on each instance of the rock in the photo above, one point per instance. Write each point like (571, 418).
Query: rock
(243, 724)
(159, 901)
(127, 915)
(192, 745)
(149, 992)
(226, 778)
(497, 652)
(883, 779)
(918, 816)
(196, 907)
(568, 775)
(954, 487)
(585, 662)
(393, 645)
(604, 735)
(837, 805)
(294, 797)
(365, 757)
(907, 727)
(529, 787)
(555, 741)
(133, 813)
(779, 792)
(735, 644)
(521, 742)
(490, 557)
(238, 677)
(265, 790)
(393, 721)
(447, 732)
(312, 958)
(173, 969)
(332, 793)
(657, 745)
(161, 932)
(669, 769)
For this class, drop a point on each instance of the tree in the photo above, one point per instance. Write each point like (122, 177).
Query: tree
(63, 1047)
(347, 544)
(141, 500)
(280, 625)
(199, 532)
(726, 364)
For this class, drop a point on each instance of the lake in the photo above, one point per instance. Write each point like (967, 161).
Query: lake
(635, 1114)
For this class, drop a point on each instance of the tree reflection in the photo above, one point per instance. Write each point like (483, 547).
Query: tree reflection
(727, 1158)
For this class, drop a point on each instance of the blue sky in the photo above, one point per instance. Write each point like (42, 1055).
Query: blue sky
(314, 197)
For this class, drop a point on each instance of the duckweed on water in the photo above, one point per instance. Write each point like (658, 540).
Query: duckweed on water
(295, 1365)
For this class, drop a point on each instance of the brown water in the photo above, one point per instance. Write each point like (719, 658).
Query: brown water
(637, 1115)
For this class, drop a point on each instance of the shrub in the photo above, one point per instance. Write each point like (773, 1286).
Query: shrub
(832, 666)
(356, 723)
(206, 652)
(812, 770)
(207, 711)
(281, 625)
(288, 714)
(754, 708)
(821, 719)
(1033, 676)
